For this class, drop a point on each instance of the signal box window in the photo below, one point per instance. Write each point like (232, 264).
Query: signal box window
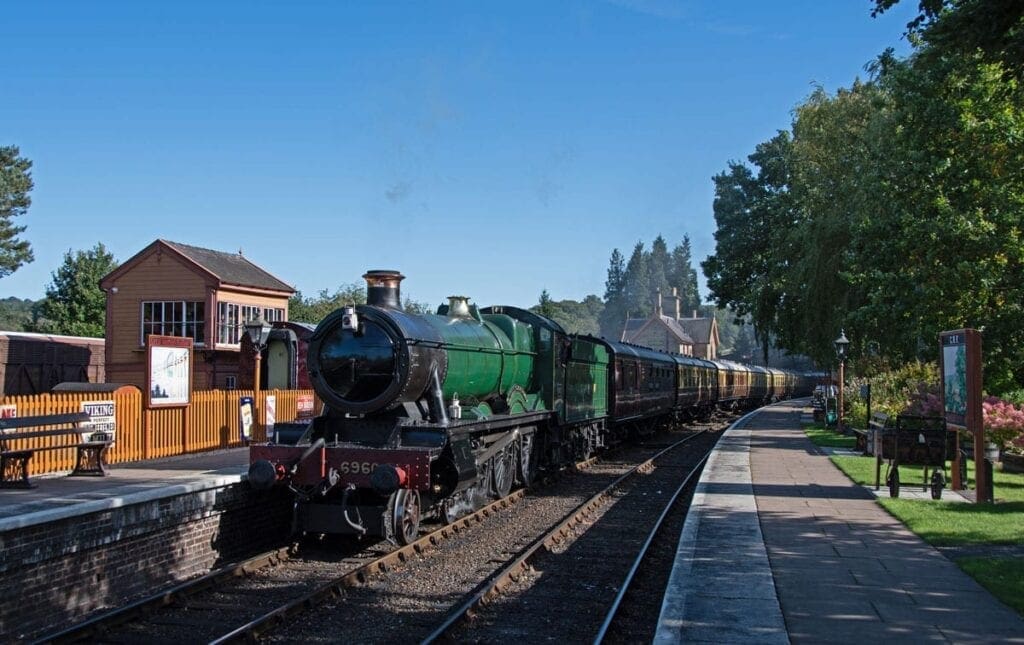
(174, 318)
(231, 317)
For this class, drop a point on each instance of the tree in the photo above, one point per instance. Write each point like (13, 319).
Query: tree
(613, 314)
(683, 276)
(575, 317)
(754, 216)
(74, 304)
(659, 267)
(315, 309)
(417, 306)
(954, 28)
(637, 284)
(544, 306)
(16, 314)
(15, 186)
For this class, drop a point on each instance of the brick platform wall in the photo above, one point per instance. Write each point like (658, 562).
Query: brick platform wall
(56, 573)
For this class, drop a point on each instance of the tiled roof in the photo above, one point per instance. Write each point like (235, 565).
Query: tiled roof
(674, 327)
(698, 328)
(230, 268)
(635, 325)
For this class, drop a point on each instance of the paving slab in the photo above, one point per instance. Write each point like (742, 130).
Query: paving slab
(770, 505)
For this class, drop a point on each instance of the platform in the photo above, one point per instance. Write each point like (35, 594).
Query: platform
(77, 545)
(57, 496)
(781, 547)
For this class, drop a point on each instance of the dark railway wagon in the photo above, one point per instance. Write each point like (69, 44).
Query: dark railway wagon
(34, 363)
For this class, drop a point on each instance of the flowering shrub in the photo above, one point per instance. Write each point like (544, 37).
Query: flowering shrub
(1004, 423)
(911, 389)
(924, 401)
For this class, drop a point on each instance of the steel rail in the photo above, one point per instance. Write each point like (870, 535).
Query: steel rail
(624, 588)
(501, 579)
(99, 624)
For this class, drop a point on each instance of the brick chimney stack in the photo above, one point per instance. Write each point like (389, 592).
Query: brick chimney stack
(679, 302)
(657, 304)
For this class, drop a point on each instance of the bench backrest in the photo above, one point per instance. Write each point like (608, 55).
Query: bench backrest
(44, 420)
(914, 422)
(879, 420)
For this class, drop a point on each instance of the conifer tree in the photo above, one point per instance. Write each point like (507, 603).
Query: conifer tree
(613, 316)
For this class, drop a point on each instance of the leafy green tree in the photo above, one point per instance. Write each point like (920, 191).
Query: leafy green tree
(954, 28)
(948, 248)
(613, 314)
(575, 317)
(74, 304)
(16, 314)
(417, 306)
(754, 216)
(15, 186)
(314, 309)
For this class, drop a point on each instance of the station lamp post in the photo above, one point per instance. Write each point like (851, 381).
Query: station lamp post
(258, 331)
(841, 344)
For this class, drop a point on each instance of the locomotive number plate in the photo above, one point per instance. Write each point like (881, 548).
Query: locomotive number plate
(355, 467)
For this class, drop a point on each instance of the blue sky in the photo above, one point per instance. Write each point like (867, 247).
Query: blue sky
(482, 148)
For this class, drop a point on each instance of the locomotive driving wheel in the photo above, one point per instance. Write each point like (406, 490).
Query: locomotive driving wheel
(503, 471)
(527, 469)
(404, 516)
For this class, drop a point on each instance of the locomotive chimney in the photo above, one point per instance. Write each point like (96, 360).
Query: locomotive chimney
(458, 307)
(382, 288)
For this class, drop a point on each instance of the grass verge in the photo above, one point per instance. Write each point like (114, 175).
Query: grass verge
(1001, 576)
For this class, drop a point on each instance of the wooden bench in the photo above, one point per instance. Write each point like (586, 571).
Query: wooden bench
(865, 437)
(879, 422)
(14, 463)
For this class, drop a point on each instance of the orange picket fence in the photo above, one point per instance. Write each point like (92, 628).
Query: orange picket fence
(210, 422)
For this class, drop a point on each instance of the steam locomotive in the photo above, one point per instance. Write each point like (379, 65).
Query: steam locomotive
(431, 416)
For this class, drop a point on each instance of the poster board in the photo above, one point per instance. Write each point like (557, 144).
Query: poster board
(246, 417)
(960, 374)
(101, 424)
(168, 371)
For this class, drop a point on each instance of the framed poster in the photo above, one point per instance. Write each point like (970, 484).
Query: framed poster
(954, 376)
(168, 371)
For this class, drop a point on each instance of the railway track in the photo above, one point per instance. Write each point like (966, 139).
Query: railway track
(545, 595)
(413, 602)
(275, 585)
(368, 594)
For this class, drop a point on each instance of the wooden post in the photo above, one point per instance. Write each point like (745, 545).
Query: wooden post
(975, 420)
(257, 355)
(839, 412)
(957, 482)
(147, 430)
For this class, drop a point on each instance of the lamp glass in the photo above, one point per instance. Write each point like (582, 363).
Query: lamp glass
(841, 344)
(258, 331)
